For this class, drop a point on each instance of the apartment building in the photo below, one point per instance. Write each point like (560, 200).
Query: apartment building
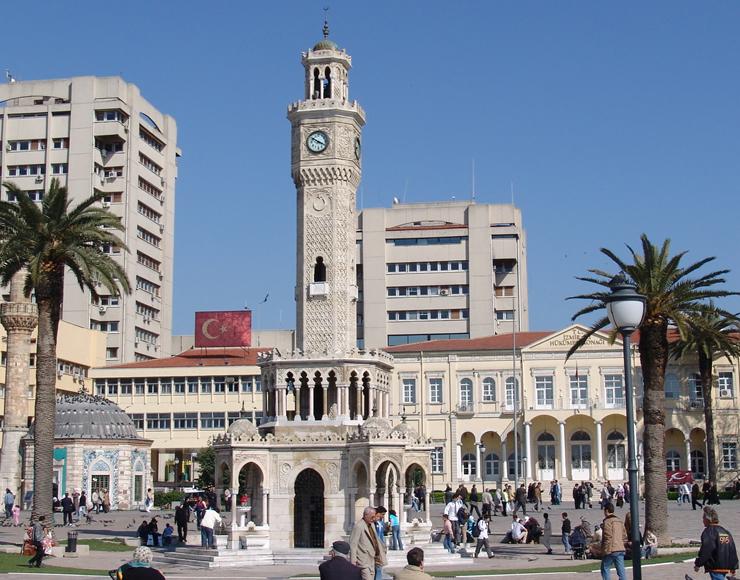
(98, 134)
(440, 271)
(79, 349)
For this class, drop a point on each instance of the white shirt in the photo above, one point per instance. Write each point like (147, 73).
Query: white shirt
(483, 527)
(451, 511)
(517, 530)
(210, 518)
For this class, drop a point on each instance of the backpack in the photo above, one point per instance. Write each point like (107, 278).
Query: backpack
(476, 531)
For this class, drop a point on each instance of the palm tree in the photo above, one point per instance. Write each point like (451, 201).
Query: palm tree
(711, 334)
(45, 240)
(673, 297)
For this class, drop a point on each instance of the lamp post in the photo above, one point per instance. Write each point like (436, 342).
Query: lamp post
(626, 309)
(483, 467)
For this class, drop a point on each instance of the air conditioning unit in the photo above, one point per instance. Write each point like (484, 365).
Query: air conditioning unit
(39, 178)
(444, 292)
(8, 147)
(161, 276)
(106, 204)
(725, 393)
(161, 228)
(163, 181)
(103, 309)
(136, 343)
(125, 129)
(59, 374)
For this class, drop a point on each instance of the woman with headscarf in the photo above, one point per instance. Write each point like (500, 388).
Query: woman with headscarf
(140, 567)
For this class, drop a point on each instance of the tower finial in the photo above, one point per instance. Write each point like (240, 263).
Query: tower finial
(326, 22)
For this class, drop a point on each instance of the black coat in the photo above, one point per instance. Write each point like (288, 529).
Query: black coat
(68, 505)
(339, 569)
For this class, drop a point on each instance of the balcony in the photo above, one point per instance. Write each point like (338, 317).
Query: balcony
(464, 409)
(614, 403)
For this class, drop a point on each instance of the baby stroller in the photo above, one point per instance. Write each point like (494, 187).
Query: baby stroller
(579, 539)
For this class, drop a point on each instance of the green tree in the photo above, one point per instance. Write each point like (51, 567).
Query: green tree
(674, 297)
(46, 239)
(712, 334)
(206, 467)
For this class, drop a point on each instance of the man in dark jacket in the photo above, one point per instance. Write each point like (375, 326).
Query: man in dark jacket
(520, 500)
(339, 567)
(181, 519)
(68, 508)
(718, 554)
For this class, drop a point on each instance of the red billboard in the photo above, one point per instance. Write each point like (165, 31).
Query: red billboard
(223, 328)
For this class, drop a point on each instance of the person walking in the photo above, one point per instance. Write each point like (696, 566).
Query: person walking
(547, 533)
(68, 508)
(338, 567)
(106, 501)
(451, 512)
(366, 551)
(181, 519)
(448, 494)
(414, 570)
(482, 528)
(537, 494)
(207, 524)
(565, 530)
(447, 533)
(9, 502)
(718, 554)
(140, 567)
(82, 505)
(16, 515)
(613, 540)
(149, 501)
(396, 542)
(695, 496)
(38, 533)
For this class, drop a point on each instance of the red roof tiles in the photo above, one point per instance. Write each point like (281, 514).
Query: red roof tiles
(201, 357)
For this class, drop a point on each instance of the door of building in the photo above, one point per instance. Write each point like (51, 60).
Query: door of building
(308, 515)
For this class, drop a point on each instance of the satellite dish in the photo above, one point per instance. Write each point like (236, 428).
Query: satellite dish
(395, 200)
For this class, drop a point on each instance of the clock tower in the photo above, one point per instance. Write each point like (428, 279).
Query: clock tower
(326, 168)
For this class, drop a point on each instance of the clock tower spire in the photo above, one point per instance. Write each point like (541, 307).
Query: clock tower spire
(326, 170)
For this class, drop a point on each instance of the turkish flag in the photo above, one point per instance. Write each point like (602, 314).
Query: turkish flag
(223, 328)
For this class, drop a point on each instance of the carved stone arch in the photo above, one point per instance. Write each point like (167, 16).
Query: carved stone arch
(296, 469)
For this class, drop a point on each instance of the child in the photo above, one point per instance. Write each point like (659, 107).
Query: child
(16, 515)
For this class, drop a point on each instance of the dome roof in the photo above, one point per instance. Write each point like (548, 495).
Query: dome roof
(405, 429)
(85, 416)
(325, 44)
(242, 428)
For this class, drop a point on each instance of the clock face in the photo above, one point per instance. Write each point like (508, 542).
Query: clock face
(358, 148)
(317, 141)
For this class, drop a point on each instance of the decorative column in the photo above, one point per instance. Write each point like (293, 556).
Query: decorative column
(528, 448)
(234, 494)
(265, 509)
(19, 317)
(325, 398)
(427, 508)
(599, 450)
(310, 403)
(359, 403)
(402, 507)
(687, 446)
(563, 462)
(352, 497)
(459, 462)
(504, 462)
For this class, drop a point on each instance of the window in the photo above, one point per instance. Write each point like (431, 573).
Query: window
(112, 115)
(149, 213)
(466, 392)
(671, 386)
(145, 336)
(544, 388)
(139, 386)
(212, 420)
(489, 390)
(504, 315)
(125, 386)
(409, 391)
(157, 420)
(503, 266)
(504, 291)
(438, 462)
(150, 140)
(398, 267)
(614, 390)
(100, 387)
(24, 170)
(138, 419)
(232, 417)
(152, 386)
(672, 461)
(219, 385)
(578, 391)
(59, 168)
(257, 384)
(192, 385)
(155, 192)
(165, 385)
(469, 464)
(435, 241)
(113, 387)
(246, 384)
(512, 385)
(111, 353)
(725, 385)
(697, 462)
(205, 384)
(179, 385)
(104, 326)
(149, 164)
(147, 311)
(62, 143)
(492, 465)
(615, 450)
(435, 391)
(580, 450)
(148, 237)
(147, 286)
(185, 420)
(729, 455)
(696, 392)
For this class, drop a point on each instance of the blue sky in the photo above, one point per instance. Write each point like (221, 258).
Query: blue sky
(609, 118)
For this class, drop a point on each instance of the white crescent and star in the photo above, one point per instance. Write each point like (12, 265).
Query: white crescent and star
(206, 325)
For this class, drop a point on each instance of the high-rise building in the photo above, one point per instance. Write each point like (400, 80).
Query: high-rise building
(440, 271)
(98, 134)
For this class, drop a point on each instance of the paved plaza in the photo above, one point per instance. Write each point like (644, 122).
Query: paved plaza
(684, 525)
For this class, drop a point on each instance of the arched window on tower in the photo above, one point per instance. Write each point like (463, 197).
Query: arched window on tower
(316, 85)
(327, 83)
(319, 270)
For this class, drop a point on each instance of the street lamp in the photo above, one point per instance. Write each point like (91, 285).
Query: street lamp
(626, 309)
(483, 467)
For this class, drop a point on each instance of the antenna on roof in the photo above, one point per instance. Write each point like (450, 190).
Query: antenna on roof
(511, 183)
(405, 189)
(10, 78)
(472, 193)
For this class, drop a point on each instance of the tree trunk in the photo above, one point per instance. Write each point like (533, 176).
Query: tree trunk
(653, 359)
(45, 408)
(705, 372)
